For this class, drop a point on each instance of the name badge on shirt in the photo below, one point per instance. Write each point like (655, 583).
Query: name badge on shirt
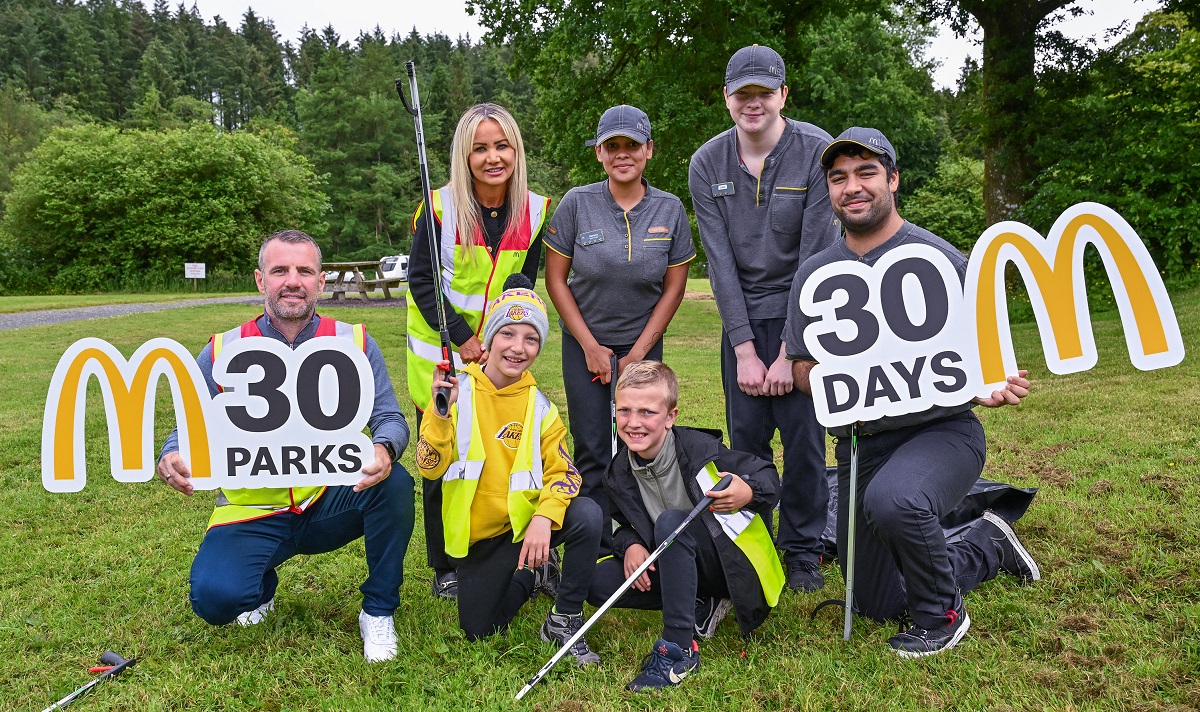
(719, 189)
(591, 238)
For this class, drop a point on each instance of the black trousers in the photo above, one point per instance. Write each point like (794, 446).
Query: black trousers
(491, 589)
(753, 420)
(689, 568)
(907, 480)
(589, 415)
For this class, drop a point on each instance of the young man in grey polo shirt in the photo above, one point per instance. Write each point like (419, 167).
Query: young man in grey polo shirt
(763, 208)
(913, 469)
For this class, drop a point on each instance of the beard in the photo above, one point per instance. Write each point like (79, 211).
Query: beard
(877, 214)
(283, 310)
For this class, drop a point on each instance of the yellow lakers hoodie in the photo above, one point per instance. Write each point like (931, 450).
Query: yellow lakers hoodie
(500, 413)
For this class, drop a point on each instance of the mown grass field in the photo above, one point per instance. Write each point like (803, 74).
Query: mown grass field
(1113, 625)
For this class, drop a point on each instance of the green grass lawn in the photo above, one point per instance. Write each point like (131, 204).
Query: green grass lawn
(13, 305)
(1113, 625)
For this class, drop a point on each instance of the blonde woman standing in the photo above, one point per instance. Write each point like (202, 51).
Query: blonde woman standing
(488, 226)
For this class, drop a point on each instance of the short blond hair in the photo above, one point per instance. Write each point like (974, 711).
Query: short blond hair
(643, 374)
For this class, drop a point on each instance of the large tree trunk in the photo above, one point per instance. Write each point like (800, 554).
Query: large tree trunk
(1009, 97)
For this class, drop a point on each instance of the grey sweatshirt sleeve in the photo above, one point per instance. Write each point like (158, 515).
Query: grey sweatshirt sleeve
(205, 362)
(722, 267)
(387, 423)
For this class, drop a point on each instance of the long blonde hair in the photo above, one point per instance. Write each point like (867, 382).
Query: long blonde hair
(468, 213)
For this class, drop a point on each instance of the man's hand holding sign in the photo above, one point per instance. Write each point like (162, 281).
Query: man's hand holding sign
(272, 415)
(897, 336)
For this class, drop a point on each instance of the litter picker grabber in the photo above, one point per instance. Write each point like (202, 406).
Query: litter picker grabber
(612, 401)
(851, 527)
(441, 400)
(702, 505)
(852, 524)
(118, 663)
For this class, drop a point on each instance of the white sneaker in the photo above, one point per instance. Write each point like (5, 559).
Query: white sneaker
(379, 637)
(256, 616)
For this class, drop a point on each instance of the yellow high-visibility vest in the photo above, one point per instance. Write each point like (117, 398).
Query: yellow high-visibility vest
(467, 284)
(241, 505)
(749, 533)
(462, 476)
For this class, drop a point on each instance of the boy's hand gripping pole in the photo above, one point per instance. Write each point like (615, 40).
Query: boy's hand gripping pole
(441, 399)
(702, 505)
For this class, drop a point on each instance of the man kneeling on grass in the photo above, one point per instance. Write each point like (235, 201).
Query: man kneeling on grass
(724, 557)
(254, 531)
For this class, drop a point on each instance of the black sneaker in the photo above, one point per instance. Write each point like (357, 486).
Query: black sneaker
(665, 666)
(560, 627)
(917, 642)
(445, 583)
(709, 614)
(547, 576)
(804, 576)
(1015, 559)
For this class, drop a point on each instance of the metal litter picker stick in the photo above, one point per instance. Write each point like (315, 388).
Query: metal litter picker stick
(851, 526)
(109, 658)
(612, 401)
(441, 400)
(702, 505)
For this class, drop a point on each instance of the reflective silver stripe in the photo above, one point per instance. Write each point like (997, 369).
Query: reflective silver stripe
(526, 480)
(465, 302)
(431, 353)
(734, 523)
(464, 468)
(537, 206)
(449, 237)
(223, 501)
(344, 330)
(468, 469)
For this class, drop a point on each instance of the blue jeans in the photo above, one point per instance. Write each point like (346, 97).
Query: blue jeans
(234, 570)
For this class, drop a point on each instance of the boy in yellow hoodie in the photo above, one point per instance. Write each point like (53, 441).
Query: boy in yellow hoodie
(508, 485)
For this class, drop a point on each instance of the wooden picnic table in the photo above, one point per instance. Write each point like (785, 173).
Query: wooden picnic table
(352, 275)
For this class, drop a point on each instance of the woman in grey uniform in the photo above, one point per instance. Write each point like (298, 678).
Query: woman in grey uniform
(616, 271)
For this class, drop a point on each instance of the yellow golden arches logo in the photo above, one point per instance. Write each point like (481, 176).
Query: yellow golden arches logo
(129, 403)
(1052, 268)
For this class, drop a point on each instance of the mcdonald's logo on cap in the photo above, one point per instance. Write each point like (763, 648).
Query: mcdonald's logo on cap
(128, 389)
(1052, 269)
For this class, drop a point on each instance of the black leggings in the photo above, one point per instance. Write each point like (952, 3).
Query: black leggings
(491, 589)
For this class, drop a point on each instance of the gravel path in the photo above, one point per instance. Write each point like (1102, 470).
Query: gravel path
(57, 316)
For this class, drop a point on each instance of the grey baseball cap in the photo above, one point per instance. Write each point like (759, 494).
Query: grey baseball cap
(623, 120)
(757, 65)
(872, 140)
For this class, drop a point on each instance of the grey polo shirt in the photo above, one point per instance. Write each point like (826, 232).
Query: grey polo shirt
(798, 321)
(757, 231)
(619, 258)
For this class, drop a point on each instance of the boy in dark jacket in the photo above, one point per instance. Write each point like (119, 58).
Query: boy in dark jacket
(724, 557)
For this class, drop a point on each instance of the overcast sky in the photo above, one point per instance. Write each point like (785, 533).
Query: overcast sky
(450, 17)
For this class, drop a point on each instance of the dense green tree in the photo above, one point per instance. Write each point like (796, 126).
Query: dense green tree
(861, 72)
(91, 206)
(1009, 97)
(667, 58)
(1129, 142)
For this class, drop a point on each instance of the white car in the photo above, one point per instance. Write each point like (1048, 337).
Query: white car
(395, 267)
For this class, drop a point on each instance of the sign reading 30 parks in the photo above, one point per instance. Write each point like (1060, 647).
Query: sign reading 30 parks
(284, 418)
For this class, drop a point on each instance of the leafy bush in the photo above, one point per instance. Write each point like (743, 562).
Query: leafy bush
(950, 204)
(98, 207)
